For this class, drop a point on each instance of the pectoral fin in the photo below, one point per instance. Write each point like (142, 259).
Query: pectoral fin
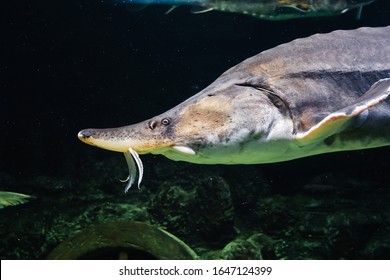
(337, 121)
(184, 150)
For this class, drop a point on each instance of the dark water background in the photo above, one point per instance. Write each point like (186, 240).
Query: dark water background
(69, 65)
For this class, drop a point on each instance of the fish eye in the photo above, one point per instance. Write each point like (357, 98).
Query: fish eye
(165, 121)
(152, 124)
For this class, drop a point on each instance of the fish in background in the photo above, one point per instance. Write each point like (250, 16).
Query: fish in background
(265, 9)
(12, 199)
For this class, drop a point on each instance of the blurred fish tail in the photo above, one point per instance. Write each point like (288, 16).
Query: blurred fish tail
(12, 198)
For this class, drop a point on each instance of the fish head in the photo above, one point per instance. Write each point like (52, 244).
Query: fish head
(144, 137)
(150, 136)
(181, 129)
(225, 123)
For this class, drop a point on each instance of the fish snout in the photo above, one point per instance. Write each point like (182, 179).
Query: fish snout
(120, 139)
(103, 138)
(84, 134)
(95, 137)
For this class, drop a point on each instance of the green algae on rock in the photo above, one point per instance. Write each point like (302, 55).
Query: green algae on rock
(123, 240)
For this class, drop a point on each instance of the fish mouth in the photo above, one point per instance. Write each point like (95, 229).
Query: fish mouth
(135, 166)
(89, 136)
(133, 160)
(121, 142)
(105, 139)
(131, 148)
(131, 143)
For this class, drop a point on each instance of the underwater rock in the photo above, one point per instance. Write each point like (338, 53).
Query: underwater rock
(301, 249)
(274, 213)
(87, 213)
(378, 247)
(216, 209)
(247, 185)
(174, 208)
(106, 212)
(266, 245)
(123, 240)
(258, 246)
(348, 231)
(314, 188)
(51, 184)
(240, 250)
(206, 208)
(202, 208)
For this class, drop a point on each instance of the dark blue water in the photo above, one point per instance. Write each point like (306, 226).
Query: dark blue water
(69, 65)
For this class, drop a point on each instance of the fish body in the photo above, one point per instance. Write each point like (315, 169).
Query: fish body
(267, 9)
(12, 198)
(320, 94)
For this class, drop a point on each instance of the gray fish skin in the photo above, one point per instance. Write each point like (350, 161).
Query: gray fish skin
(321, 94)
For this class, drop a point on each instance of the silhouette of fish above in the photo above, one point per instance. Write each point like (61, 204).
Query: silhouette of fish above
(266, 9)
(322, 94)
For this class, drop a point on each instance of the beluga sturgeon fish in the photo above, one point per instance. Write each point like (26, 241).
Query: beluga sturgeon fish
(266, 9)
(322, 94)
